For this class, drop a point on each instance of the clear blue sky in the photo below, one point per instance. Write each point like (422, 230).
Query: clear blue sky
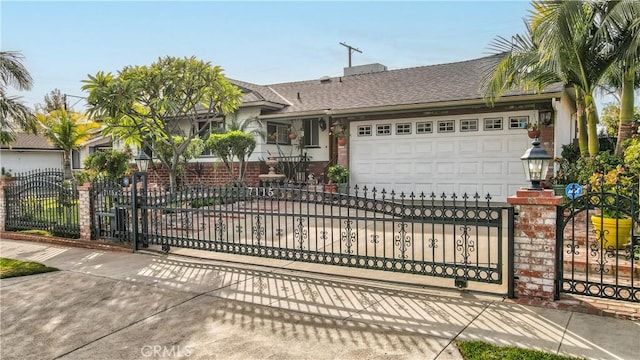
(260, 42)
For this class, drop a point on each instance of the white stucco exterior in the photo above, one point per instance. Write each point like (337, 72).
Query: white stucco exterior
(18, 161)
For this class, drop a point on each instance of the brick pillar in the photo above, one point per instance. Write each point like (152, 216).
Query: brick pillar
(534, 243)
(84, 208)
(3, 203)
(343, 155)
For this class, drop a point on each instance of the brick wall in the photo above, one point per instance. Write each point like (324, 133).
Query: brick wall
(205, 174)
(3, 205)
(534, 243)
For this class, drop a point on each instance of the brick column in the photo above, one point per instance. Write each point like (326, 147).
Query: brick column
(84, 208)
(534, 243)
(3, 203)
(343, 155)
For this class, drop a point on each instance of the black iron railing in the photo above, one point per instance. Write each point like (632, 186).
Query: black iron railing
(42, 200)
(457, 237)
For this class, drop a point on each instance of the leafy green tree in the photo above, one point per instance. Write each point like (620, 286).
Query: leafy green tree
(193, 150)
(12, 111)
(67, 130)
(112, 164)
(610, 118)
(154, 106)
(231, 146)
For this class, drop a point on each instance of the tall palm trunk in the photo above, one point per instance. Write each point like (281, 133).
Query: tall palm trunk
(583, 139)
(592, 124)
(626, 109)
(66, 164)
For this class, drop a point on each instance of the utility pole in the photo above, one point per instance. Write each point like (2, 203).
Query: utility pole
(351, 49)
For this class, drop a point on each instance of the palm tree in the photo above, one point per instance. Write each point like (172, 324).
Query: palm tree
(12, 111)
(561, 45)
(67, 130)
(622, 30)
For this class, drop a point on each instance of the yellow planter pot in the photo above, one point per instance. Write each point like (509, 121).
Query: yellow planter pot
(616, 236)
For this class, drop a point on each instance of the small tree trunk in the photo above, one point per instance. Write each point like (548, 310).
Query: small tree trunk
(626, 110)
(66, 163)
(583, 140)
(592, 125)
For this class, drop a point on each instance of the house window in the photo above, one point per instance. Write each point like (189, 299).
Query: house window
(468, 125)
(424, 127)
(278, 134)
(493, 124)
(518, 122)
(75, 159)
(403, 129)
(206, 128)
(383, 129)
(446, 126)
(311, 133)
(364, 130)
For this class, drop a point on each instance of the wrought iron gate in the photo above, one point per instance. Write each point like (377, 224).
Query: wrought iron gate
(111, 211)
(42, 200)
(592, 260)
(453, 237)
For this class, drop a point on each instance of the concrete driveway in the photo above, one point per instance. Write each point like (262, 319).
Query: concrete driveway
(105, 305)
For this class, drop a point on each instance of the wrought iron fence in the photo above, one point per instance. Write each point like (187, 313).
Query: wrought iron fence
(457, 237)
(598, 242)
(42, 200)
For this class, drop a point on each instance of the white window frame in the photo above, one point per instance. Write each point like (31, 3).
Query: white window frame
(403, 129)
(383, 129)
(446, 126)
(364, 130)
(424, 125)
(493, 121)
(468, 125)
(518, 122)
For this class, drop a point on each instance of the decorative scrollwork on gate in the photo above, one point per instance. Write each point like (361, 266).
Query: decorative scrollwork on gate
(402, 240)
(375, 238)
(433, 243)
(220, 228)
(464, 244)
(348, 236)
(300, 234)
(258, 230)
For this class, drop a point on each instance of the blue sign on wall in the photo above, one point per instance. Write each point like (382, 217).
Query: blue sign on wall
(573, 191)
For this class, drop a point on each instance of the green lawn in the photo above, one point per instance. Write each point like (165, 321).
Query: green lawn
(12, 268)
(478, 350)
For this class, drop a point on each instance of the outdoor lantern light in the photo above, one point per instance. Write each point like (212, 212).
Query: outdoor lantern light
(536, 164)
(142, 160)
(546, 117)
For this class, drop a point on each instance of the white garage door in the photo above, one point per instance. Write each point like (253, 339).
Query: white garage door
(441, 154)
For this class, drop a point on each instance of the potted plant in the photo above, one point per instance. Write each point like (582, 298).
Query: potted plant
(340, 133)
(613, 224)
(292, 133)
(533, 130)
(339, 176)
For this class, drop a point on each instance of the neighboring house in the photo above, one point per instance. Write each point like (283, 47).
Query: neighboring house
(96, 143)
(30, 152)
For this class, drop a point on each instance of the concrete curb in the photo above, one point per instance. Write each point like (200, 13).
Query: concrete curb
(95, 245)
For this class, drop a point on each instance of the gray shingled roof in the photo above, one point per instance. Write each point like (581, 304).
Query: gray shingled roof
(457, 81)
(26, 141)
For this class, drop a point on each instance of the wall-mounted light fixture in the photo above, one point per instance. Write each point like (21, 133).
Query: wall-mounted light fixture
(322, 123)
(545, 117)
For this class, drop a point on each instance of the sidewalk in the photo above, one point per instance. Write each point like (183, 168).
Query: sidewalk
(108, 305)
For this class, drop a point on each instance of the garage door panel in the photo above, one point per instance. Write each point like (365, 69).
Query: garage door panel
(468, 168)
(445, 147)
(469, 146)
(492, 146)
(423, 168)
(405, 168)
(493, 168)
(445, 169)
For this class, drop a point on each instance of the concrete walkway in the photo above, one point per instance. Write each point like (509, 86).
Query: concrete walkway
(107, 305)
